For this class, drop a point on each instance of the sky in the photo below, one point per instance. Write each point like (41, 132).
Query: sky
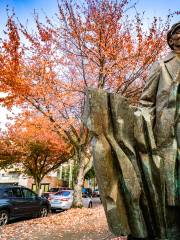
(24, 10)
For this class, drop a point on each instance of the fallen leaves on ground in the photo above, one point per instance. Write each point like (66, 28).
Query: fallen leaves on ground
(80, 224)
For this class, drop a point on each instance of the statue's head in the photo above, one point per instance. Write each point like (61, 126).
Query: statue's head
(173, 37)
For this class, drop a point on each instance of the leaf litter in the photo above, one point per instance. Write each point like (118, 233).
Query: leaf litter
(73, 224)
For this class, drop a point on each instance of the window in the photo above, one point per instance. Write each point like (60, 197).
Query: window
(9, 193)
(3, 193)
(44, 187)
(15, 192)
(63, 193)
(28, 193)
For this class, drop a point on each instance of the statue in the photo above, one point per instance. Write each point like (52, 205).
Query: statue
(136, 152)
(161, 98)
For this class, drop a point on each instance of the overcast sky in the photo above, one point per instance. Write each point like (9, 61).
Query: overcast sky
(24, 10)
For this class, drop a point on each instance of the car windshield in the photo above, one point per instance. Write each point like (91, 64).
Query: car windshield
(63, 193)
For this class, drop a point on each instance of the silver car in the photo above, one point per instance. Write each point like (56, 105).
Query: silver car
(63, 200)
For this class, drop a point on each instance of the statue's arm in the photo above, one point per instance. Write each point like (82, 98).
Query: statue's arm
(148, 97)
(145, 114)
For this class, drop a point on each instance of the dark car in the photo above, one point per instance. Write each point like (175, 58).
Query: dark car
(17, 202)
(95, 193)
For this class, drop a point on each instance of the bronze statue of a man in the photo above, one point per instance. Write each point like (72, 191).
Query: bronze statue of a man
(161, 98)
(136, 152)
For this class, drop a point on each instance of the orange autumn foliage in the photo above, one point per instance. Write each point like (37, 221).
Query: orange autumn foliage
(34, 129)
(106, 48)
(96, 44)
(33, 143)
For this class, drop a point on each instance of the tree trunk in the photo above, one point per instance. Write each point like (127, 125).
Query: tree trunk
(88, 165)
(38, 186)
(77, 202)
(84, 164)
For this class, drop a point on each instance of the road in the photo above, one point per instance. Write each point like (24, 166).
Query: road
(96, 202)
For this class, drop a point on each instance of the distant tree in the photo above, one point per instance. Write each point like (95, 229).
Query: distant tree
(36, 147)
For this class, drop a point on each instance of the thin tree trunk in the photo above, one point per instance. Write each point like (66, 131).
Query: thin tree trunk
(88, 165)
(84, 164)
(77, 202)
(38, 186)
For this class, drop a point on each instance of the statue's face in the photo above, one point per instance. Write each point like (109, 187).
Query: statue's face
(175, 40)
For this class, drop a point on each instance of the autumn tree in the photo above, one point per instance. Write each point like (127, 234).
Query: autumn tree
(36, 147)
(102, 47)
(8, 154)
(94, 44)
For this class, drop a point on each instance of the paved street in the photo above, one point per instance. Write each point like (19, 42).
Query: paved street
(96, 201)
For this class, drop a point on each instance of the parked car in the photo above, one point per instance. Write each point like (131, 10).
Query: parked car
(54, 190)
(96, 193)
(18, 201)
(63, 200)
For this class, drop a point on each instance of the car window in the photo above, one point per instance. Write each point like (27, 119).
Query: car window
(53, 189)
(2, 193)
(63, 193)
(8, 193)
(28, 193)
(15, 192)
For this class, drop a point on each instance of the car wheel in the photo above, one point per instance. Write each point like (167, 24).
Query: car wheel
(90, 205)
(4, 217)
(43, 211)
